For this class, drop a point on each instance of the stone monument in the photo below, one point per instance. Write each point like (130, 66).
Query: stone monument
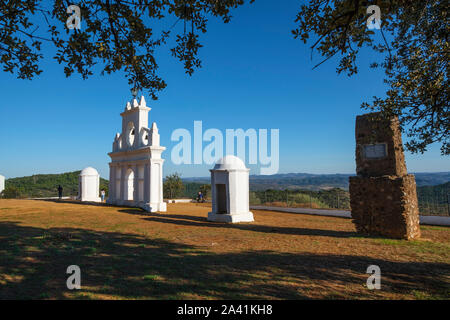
(136, 167)
(89, 185)
(230, 191)
(2, 183)
(383, 195)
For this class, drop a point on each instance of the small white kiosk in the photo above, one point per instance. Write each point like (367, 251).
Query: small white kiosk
(230, 191)
(89, 184)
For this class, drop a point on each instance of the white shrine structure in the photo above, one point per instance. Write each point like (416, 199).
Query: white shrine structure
(136, 167)
(2, 183)
(89, 185)
(230, 191)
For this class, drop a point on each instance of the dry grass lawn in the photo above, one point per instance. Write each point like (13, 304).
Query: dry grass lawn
(125, 253)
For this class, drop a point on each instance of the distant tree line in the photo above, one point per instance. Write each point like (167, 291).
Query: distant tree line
(333, 198)
(45, 185)
(432, 199)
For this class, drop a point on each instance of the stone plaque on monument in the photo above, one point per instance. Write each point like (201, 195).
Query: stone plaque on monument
(375, 151)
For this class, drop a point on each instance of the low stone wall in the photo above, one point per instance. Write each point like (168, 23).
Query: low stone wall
(386, 206)
(178, 200)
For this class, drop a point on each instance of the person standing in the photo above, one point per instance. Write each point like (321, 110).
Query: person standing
(60, 190)
(102, 194)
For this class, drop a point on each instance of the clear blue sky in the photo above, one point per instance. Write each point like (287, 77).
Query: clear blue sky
(254, 75)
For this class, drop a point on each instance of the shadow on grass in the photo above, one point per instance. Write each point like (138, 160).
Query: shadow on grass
(187, 220)
(86, 203)
(33, 263)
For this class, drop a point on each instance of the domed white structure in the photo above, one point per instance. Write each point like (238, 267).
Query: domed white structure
(230, 162)
(136, 167)
(89, 171)
(88, 185)
(230, 191)
(2, 183)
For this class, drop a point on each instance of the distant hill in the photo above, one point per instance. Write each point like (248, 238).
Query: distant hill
(432, 179)
(317, 192)
(435, 190)
(299, 180)
(45, 185)
(320, 181)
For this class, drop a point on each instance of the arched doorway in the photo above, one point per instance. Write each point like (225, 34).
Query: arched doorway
(129, 185)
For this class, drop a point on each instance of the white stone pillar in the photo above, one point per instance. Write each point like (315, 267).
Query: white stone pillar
(162, 205)
(154, 173)
(118, 183)
(141, 189)
(123, 184)
(2, 183)
(147, 183)
(161, 183)
(112, 182)
(156, 202)
(135, 184)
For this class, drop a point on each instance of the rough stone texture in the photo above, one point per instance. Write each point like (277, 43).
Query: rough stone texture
(383, 196)
(372, 130)
(385, 206)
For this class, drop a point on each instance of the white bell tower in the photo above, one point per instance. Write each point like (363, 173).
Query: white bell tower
(136, 167)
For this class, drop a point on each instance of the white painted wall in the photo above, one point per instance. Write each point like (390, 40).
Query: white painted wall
(142, 158)
(2, 183)
(231, 172)
(89, 185)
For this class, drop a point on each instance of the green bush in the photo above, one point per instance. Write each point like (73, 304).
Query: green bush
(173, 186)
(253, 199)
(11, 192)
(333, 198)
